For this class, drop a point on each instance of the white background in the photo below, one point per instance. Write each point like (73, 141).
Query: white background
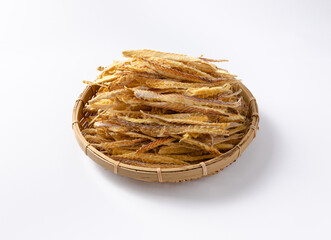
(278, 189)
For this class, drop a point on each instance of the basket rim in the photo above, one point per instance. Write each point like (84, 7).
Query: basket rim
(86, 146)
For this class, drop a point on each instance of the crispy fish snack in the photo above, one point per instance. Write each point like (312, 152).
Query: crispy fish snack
(154, 144)
(178, 98)
(198, 63)
(165, 110)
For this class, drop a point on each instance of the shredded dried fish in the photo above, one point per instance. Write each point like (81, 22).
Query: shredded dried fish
(155, 144)
(178, 98)
(187, 121)
(152, 158)
(164, 110)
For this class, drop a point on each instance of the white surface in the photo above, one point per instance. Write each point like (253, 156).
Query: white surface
(278, 189)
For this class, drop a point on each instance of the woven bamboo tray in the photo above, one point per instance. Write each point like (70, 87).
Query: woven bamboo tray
(178, 174)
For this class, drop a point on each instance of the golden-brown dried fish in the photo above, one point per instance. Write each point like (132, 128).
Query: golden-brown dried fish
(213, 60)
(177, 148)
(178, 98)
(220, 97)
(107, 78)
(162, 131)
(139, 135)
(154, 144)
(240, 128)
(191, 61)
(201, 145)
(184, 108)
(145, 164)
(96, 139)
(168, 83)
(110, 126)
(190, 158)
(90, 131)
(191, 116)
(207, 91)
(174, 73)
(151, 158)
(108, 95)
(224, 146)
(142, 120)
(164, 110)
(223, 139)
(187, 121)
(180, 67)
(124, 143)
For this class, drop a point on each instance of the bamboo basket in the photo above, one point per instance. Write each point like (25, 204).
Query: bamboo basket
(178, 174)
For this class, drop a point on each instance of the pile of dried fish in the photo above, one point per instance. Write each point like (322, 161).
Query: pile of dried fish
(160, 109)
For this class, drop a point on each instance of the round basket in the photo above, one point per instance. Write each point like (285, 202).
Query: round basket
(178, 174)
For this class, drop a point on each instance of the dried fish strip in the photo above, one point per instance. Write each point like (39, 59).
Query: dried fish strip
(151, 158)
(161, 131)
(123, 143)
(176, 149)
(207, 91)
(191, 61)
(145, 164)
(224, 146)
(184, 108)
(177, 98)
(187, 121)
(173, 73)
(96, 139)
(213, 60)
(155, 144)
(191, 116)
(90, 131)
(189, 158)
(108, 95)
(168, 83)
(180, 67)
(139, 135)
(201, 145)
(142, 120)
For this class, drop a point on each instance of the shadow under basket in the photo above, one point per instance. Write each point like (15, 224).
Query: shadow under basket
(178, 174)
